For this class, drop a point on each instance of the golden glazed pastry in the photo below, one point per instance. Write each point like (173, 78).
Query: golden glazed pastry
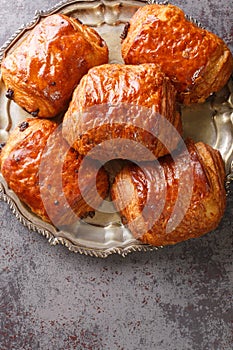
(197, 61)
(41, 74)
(129, 111)
(175, 201)
(43, 171)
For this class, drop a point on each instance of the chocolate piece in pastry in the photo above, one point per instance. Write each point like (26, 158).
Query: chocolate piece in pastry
(41, 74)
(179, 199)
(197, 61)
(123, 111)
(43, 171)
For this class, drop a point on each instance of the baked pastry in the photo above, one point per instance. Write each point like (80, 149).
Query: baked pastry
(197, 61)
(42, 72)
(43, 171)
(123, 111)
(179, 199)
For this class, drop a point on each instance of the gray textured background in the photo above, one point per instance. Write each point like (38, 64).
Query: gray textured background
(176, 298)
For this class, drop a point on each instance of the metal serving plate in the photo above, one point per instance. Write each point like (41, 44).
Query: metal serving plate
(211, 122)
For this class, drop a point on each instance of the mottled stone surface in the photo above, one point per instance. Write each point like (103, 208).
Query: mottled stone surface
(175, 298)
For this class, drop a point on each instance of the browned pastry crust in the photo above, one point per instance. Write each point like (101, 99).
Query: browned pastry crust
(42, 72)
(197, 61)
(158, 192)
(123, 102)
(43, 171)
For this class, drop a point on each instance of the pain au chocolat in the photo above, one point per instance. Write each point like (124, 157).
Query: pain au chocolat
(197, 61)
(177, 199)
(43, 171)
(42, 72)
(123, 111)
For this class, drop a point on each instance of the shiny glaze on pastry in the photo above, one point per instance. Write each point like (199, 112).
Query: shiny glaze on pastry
(116, 103)
(197, 61)
(42, 72)
(191, 192)
(49, 190)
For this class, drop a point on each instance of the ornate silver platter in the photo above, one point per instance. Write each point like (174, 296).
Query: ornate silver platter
(211, 122)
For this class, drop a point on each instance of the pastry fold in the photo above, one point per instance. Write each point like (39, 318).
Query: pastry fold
(42, 72)
(197, 61)
(181, 197)
(44, 172)
(123, 111)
